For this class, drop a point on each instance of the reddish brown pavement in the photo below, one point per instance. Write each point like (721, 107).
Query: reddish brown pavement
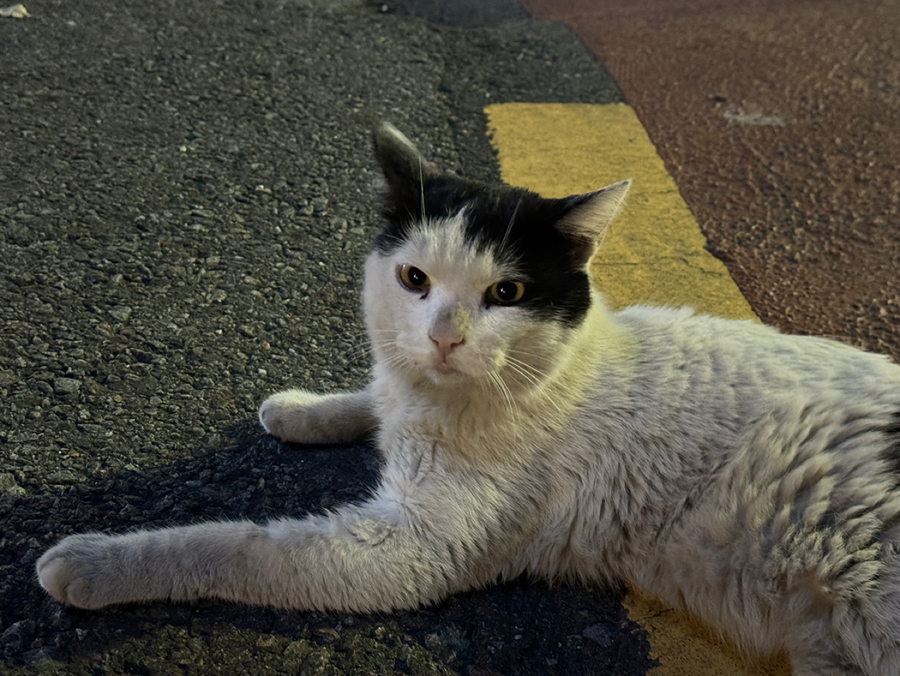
(780, 123)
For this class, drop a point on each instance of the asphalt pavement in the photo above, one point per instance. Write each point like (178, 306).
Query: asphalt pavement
(777, 119)
(186, 196)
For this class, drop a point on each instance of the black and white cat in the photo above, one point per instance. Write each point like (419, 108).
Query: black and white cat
(748, 476)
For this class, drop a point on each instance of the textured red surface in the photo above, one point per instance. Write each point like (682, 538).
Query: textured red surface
(780, 122)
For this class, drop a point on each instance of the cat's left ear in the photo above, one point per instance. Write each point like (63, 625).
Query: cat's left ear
(588, 216)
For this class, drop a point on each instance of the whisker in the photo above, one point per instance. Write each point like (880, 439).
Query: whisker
(359, 355)
(528, 372)
(369, 344)
(373, 342)
(512, 219)
(534, 374)
(393, 358)
(422, 188)
(529, 378)
(494, 378)
(364, 335)
(506, 394)
(527, 353)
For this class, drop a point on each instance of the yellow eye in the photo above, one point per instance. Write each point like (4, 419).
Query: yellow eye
(413, 278)
(505, 293)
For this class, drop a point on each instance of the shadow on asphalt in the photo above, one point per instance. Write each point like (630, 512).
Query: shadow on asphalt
(517, 628)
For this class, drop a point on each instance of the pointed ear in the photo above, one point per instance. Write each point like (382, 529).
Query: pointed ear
(402, 164)
(588, 216)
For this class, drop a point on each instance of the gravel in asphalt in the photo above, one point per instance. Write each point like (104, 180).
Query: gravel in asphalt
(777, 120)
(185, 201)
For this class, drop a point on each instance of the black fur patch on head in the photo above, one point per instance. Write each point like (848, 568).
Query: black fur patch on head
(518, 225)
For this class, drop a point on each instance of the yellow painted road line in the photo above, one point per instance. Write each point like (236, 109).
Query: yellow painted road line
(654, 253)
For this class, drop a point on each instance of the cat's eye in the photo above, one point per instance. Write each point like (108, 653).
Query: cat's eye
(505, 293)
(413, 278)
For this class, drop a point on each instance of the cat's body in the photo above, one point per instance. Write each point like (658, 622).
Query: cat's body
(746, 475)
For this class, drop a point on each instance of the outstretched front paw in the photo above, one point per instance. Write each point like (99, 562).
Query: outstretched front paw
(80, 571)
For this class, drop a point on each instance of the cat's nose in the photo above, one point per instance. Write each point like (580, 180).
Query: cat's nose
(445, 333)
(445, 345)
(449, 329)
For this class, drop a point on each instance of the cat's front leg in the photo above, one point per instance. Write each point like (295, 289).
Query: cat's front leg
(309, 418)
(355, 559)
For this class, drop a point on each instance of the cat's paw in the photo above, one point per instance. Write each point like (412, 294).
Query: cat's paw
(307, 418)
(295, 415)
(75, 571)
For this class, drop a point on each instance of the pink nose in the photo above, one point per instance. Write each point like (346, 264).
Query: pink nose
(445, 344)
(446, 332)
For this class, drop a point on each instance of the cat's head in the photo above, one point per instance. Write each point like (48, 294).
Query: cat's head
(469, 282)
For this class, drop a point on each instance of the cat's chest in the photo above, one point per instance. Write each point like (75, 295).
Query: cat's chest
(470, 427)
(418, 449)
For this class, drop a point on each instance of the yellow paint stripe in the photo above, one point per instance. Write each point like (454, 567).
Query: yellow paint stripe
(654, 253)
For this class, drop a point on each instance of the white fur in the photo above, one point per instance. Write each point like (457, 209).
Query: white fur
(720, 465)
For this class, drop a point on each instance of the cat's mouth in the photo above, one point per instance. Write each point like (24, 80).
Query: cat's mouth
(444, 368)
(444, 372)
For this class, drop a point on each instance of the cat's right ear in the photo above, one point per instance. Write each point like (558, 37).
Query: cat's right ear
(403, 166)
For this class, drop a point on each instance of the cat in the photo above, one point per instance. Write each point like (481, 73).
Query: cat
(750, 477)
